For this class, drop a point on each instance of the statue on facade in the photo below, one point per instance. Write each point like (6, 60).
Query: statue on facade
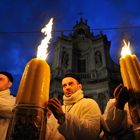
(98, 58)
(65, 59)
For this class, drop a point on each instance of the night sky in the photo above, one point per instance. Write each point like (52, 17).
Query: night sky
(22, 20)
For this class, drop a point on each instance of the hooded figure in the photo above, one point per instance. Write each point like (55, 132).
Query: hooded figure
(7, 102)
(78, 118)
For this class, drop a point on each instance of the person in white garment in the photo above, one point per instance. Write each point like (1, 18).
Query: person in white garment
(78, 118)
(121, 119)
(7, 102)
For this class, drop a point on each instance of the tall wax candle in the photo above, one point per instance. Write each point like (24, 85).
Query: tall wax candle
(136, 63)
(130, 69)
(34, 85)
(133, 73)
(124, 74)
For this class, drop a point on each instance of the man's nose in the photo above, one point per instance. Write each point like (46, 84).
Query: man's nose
(67, 87)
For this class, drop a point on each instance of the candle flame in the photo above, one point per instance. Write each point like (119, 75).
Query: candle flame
(42, 48)
(126, 49)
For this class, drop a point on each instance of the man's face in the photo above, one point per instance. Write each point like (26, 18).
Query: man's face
(4, 82)
(70, 86)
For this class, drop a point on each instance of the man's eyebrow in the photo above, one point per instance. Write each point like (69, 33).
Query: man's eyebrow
(63, 84)
(70, 82)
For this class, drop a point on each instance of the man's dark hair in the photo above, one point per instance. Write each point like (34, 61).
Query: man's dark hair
(8, 75)
(75, 76)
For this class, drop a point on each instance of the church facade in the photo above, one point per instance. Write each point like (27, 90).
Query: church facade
(87, 56)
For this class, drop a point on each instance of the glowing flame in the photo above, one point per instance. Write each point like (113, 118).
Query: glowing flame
(126, 49)
(42, 48)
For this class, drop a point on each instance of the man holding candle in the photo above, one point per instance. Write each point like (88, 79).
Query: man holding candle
(7, 102)
(121, 120)
(78, 118)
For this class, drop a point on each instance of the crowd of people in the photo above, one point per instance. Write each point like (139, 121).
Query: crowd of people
(80, 118)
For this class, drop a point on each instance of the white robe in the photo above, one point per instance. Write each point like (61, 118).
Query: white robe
(7, 102)
(119, 123)
(82, 120)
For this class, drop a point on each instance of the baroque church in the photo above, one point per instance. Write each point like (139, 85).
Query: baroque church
(88, 56)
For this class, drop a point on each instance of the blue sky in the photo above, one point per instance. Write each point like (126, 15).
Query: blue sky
(22, 20)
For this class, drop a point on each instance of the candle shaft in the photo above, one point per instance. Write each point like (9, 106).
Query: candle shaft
(34, 85)
(125, 75)
(136, 63)
(133, 73)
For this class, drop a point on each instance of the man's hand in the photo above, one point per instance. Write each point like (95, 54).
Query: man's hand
(121, 95)
(55, 106)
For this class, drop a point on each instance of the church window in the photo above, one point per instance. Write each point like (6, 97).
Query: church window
(65, 59)
(81, 65)
(81, 32)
